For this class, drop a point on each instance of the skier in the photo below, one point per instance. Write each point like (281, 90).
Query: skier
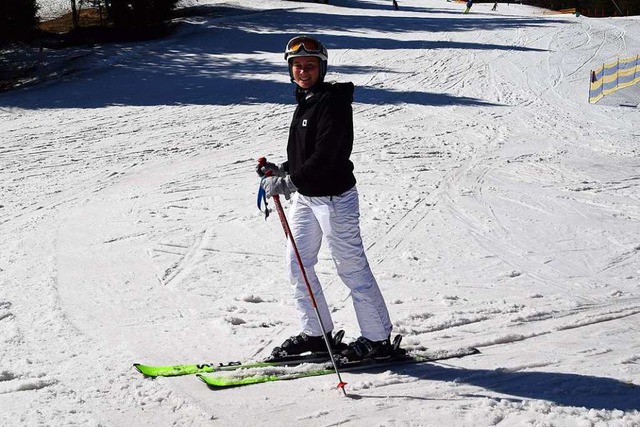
(469, 4)
(326, 204)
(495, 6)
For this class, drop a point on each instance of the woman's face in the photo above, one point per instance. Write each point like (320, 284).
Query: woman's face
(306, 71)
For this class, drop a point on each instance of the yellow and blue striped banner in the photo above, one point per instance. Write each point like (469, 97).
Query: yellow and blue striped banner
(613, 76)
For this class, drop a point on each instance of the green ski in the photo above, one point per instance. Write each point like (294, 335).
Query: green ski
(201, 368)
(221, 381)
(254, 376)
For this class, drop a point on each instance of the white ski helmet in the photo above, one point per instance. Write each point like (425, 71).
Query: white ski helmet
(306, 46)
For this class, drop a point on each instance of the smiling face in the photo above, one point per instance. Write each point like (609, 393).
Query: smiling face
(306, 71)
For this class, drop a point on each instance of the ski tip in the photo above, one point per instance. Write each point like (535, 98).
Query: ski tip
(140, 367)
(204, 380)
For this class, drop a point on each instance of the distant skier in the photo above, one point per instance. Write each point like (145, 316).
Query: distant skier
(495, 6)
(325, 207)
(469, 4)
(395, 5)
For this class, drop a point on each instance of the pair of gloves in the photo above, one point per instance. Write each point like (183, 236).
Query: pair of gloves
(275, 181)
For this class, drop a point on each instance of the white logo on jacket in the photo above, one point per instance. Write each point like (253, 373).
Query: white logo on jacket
(304, 123)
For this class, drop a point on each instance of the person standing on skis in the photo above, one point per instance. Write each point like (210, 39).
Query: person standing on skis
(326, 204)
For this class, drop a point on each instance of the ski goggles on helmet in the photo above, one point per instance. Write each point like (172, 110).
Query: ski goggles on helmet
(309, 45)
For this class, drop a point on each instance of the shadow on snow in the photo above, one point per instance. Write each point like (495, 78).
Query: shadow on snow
(564, 389)
(227, 62)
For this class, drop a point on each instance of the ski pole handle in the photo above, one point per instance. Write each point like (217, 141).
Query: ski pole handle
(262, 161)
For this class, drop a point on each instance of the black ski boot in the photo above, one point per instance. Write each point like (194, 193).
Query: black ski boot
(364, 348)
(303, 343)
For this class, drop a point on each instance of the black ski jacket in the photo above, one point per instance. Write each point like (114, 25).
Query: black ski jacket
(321, 140)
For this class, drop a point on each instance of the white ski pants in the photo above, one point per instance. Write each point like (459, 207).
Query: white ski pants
(336, 218)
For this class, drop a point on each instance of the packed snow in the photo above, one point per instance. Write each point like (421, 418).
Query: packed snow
(499, 210)
(49, 9)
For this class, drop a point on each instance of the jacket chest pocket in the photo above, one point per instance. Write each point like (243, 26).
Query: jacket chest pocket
(304, 128)
(303, 122)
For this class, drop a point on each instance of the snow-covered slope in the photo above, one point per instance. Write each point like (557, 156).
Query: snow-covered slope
(499, 210)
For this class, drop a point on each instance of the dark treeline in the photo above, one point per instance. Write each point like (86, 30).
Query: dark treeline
(19, 20)
(591, 7)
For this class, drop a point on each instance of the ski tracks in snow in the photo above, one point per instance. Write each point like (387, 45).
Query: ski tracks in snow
(468, 188)
(140, 225)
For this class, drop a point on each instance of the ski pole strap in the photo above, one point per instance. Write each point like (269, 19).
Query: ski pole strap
(262, 196)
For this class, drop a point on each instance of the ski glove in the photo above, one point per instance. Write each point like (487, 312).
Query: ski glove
(275, 170)
(273, 185)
